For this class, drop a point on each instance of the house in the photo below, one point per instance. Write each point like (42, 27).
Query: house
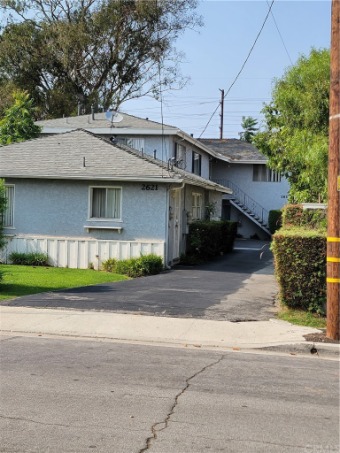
(232, 163)
(166, 143)
(83, 199)
(256, 188)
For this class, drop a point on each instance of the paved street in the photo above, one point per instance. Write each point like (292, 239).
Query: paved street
(239, 286)
(63, 396)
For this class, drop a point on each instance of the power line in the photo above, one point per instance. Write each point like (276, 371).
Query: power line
(242, 67)
(277, 28)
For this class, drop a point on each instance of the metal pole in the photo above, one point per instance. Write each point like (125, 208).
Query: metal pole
(222, 114)
(333, 233)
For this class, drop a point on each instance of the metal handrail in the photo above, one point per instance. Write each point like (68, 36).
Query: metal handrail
(246, 202)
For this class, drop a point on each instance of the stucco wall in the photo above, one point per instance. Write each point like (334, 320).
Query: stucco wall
(270, 195)
(60, 208)
(165, 149)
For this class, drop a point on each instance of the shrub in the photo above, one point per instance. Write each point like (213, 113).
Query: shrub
(300, 266)
(29, 259)
(207, 239)
(151, 264)
(135, 267)
(295, 216)
(274, 220)
(109, 265)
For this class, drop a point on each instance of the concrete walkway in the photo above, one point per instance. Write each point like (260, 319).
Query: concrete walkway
(227, 304)
(273, 334)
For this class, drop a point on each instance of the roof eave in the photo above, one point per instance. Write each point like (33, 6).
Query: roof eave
(154, 179)
(109, 130)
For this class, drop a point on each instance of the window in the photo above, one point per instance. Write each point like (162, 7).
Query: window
(262, 173)
(180, 156)
(8, 217)
(136, 143)
(197, 206)
(196, 163)
(106, 202)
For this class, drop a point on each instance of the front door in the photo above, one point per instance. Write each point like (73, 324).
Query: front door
(174, 225)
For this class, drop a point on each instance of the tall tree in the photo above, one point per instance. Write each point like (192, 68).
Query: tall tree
(17, 125)
(249, 126)
(92, 51)
(295, 138)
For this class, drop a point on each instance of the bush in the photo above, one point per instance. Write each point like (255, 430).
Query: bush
(207, 239)
(274, 220)
(295, 216)
(300, 266)
(29, 259)
(135, 267)
(109, 265)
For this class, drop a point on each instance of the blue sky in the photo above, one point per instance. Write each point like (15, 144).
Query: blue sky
(215, 54)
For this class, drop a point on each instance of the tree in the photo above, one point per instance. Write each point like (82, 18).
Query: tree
(18, 122)
(249, 124)
(99, 52)
(295, 138)
(3, 205)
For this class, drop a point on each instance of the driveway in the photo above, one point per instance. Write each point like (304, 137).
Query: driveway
(239, 286)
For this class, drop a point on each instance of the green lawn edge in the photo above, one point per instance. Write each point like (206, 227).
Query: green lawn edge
(302, 318)
(21, 281)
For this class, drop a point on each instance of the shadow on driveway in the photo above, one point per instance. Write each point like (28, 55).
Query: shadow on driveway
(239, 286)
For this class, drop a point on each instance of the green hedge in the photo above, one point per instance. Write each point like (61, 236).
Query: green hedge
(135, 267)
(207, 239)
(274, 220)
(300, 266)
(295, 216)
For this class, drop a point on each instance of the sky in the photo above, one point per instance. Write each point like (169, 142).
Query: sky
(215, 54)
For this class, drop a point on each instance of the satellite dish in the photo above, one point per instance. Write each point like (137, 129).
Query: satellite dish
(113, 116)
(108, 115)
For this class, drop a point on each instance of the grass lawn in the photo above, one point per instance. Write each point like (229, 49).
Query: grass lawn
(302, 318)
(23, 280)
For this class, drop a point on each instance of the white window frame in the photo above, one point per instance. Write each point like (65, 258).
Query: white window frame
(262, 173)
(105, 219)
(197, 206)
(8, 218)
(180, 155)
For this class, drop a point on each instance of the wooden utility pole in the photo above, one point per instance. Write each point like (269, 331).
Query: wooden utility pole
(221, 114)
(333, 234)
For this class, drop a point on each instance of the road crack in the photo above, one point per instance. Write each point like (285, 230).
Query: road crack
(29, 420)
(161, 426)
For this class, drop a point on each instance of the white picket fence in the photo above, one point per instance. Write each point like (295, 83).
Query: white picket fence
(79, 252)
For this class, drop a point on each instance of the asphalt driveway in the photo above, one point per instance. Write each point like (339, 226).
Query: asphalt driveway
(237, 287)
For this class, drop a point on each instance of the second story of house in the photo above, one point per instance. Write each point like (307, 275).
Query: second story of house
(242, 167)
(161, 141)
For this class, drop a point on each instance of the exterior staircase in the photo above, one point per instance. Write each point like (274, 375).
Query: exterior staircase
(247, 205)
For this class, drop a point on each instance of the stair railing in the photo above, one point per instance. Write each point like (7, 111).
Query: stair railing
(245, 202)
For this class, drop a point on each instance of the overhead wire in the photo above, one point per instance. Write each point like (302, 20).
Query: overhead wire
(282, 40)
(242, 67)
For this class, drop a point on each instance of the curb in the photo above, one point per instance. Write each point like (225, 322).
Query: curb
(315, 349)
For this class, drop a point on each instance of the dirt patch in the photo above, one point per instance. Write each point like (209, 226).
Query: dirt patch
(320, 338)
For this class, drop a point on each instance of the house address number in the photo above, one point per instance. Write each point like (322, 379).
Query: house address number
(149, 186)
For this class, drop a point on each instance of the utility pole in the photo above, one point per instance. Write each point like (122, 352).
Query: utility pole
(333, 233)
(221, 114)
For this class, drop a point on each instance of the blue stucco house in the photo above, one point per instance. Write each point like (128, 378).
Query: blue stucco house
(83, 197)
